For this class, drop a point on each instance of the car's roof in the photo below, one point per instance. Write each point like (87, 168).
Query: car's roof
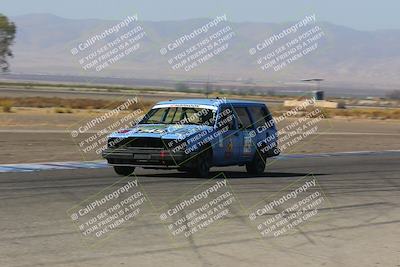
(208, 101)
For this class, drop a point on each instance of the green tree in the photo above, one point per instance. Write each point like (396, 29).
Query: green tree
(7, 35)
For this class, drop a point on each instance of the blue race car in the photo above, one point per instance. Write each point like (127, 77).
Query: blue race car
(193, 135)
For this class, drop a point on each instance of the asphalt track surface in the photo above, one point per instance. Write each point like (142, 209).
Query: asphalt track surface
(360, 227)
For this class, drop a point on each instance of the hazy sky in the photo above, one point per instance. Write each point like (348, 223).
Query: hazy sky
(358, 14)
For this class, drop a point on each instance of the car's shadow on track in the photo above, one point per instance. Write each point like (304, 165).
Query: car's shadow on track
(232, 175)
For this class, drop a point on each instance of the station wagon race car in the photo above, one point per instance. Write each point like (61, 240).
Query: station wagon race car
(194, 135)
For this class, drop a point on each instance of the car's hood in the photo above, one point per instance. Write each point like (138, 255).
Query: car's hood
(167, 131)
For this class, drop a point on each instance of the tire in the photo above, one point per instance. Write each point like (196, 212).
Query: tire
(201, 165)
(124, 170)
(257, 165)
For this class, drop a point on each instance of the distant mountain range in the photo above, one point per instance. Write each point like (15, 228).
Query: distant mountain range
(344, 55)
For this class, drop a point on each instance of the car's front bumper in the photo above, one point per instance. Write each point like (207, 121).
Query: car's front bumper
(146, 157)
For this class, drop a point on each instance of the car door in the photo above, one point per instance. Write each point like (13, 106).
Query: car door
(265, 131)
(227, 148)
(245, 126)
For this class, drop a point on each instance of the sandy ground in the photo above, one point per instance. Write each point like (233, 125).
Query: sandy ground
(40, 135)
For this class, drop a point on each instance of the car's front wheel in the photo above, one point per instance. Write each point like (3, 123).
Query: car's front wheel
(124, 170)
(201, 165)
(257, 165)
(202, 168)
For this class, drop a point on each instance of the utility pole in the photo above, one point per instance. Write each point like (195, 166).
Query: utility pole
(208, 86)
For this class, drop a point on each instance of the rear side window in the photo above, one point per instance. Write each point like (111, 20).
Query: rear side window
(261, 115)
(243, 117)
(226, 118)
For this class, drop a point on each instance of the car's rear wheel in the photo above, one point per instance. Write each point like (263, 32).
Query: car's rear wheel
(124, 170)
(257, 165)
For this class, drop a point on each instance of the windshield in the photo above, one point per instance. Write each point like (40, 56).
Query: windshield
(180, 115)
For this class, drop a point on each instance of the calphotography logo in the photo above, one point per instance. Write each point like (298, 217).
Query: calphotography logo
(286, 47)
(197, 211)
(108, 47)
(291, 209)
(109, 210)
(91, 136)
(195, 48)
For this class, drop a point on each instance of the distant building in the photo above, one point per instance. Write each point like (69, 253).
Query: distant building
(320, 102)
(319, 95)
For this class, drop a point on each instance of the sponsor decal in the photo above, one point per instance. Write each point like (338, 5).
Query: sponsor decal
(152, 129)
(229, 149)
(247, 144)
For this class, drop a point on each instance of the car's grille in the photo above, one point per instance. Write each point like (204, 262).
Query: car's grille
(149, 142)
